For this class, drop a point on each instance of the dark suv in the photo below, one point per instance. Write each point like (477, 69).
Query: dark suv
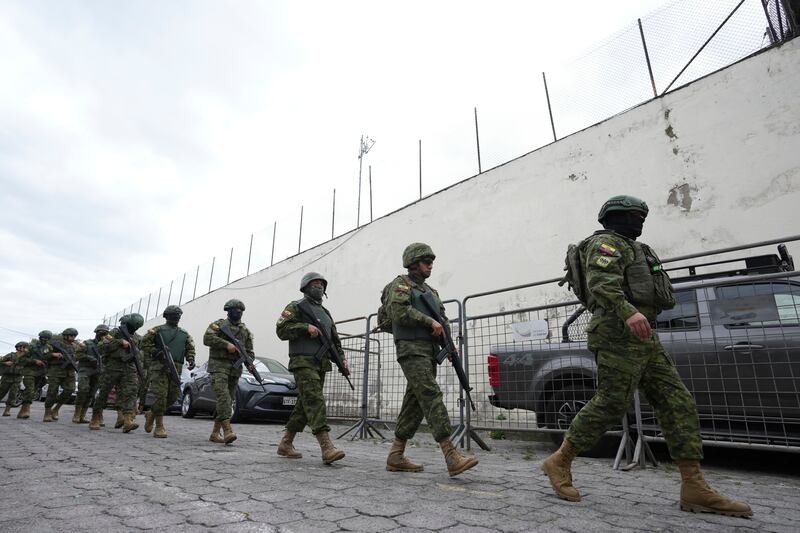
(273, 401)
(735, 340)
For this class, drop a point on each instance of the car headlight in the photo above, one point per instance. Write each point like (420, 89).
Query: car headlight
(253, 381)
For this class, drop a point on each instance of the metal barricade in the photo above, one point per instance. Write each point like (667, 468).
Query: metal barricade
(342, 402)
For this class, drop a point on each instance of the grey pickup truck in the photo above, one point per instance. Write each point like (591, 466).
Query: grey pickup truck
(734, 337)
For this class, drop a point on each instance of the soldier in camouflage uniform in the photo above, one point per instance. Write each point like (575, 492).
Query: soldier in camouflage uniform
(294, 325)
(89, 375)
(120, 373)
(181, 346)
(222, 357)
(144, 385)
(415, 337)
(59, 376)
(11, 375)
(33, 370)
(625, 288)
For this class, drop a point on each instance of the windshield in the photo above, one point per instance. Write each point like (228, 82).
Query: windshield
(272, 366)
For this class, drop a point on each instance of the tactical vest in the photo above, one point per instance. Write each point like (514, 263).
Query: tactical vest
(646, 282)
(86, 364)
(305, 345)
(416, 333)
(175, 339)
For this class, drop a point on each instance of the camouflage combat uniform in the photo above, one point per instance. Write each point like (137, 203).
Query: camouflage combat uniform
(144, 384)
(58, 376)
(309, 373)
(33, 376)
(120, 372)
(624, 276)
(89, 378)
(416, 353)
(224, 374)
(181, 345)
(11, 377)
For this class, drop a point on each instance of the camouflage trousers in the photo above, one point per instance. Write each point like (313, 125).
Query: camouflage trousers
(224, 386)
(31, 386)
(423, 399)
(164, 389)
(87, 388)
(9, 385)
(62, 380)
(127, 385)
(645, 365)
(310, 407)
(144, 386)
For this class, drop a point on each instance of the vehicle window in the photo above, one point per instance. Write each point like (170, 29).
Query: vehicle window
(759, 304)
(273, 366)
(683, 316)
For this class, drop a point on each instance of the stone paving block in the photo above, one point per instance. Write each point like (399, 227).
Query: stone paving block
(215, 518)
(154, 520)
(309, 526)
(367, 523)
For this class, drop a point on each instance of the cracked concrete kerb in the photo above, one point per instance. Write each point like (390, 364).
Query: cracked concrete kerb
(63, 477)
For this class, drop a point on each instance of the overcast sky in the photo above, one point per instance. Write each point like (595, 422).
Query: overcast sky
(138, 139)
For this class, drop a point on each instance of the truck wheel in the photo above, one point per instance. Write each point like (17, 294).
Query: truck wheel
(561, 407)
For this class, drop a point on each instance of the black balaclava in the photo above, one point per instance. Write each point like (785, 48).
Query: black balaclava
(173, 319)
(235, 315)
(626, 223)
(314, 293)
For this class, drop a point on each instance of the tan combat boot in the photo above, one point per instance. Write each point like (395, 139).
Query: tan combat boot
(120, 420)
(228, 436)
(48, 415)
(286, 446)
(161, 431)
(25, 411)
(129, 423)
(102, 423)
(76, 416)
(82, 418)
(97, 416)
(456, 463)
(149, 418)
(557, 467)
(54, 411)
(216, 435)
(7, 411)
(397, 462)
(698, 497)
(330, 453)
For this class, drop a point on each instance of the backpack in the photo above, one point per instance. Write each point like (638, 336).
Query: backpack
(574, 277)
(384, 320)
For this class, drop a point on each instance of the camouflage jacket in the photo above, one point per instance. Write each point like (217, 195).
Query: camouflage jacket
(36, 351)
(623, 277)
(115, 356)
(15, 368)
(293, 325)
(54, 368)
(85, 355)
(219, 359)
(405, 316)
(177, 339)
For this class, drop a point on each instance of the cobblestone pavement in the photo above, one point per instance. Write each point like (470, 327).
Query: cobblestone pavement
(64, 477)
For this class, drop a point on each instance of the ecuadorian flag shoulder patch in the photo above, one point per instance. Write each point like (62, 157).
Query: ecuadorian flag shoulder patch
(607, 249)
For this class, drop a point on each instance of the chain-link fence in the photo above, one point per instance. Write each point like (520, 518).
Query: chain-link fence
(672, 46)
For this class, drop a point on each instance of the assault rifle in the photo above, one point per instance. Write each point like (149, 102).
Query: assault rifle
(449, 350)
(244, 357)
(327, 346)
(165, 354)
(99, 368)
(66, 352)
(133, 351)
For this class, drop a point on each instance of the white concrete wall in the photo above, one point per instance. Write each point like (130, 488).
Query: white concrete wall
(718, 161)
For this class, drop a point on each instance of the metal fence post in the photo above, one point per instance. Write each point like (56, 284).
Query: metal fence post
(477, 140)
(300, 236)
(272, 256)
(211, 276)
(196, 277)
(647, 58)
(158, 302)
(549, 109)
(333, 214)
(183, 282)
(169, 294)
(230, 262)
(139, 309)
(420, 169)
(147, 313)
(249, 255)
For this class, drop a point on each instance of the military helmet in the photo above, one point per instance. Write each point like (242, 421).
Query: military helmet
(172, 310)
(416, 251)
(21, 344)
(45, 334)
(622, 202)
(70, 331)
(133, 320)
(311, 276)
(233, 304)
(102, 328)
